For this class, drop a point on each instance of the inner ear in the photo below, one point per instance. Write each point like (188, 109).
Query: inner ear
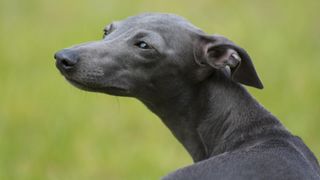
(220, 53)
(222, 56)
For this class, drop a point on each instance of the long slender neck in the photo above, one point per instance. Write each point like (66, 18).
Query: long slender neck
(212, 117)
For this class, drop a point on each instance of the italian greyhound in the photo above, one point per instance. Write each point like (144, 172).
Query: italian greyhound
(194, 82)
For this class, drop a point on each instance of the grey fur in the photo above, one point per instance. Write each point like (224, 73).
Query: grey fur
(191, 80)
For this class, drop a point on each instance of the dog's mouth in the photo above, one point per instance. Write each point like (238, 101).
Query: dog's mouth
(112, 90)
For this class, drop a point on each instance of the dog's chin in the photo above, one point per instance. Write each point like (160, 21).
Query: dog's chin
(111, 90)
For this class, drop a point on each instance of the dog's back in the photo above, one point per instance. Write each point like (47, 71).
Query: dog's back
(276, 159)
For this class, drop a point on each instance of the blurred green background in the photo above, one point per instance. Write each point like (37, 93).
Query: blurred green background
(50, 130)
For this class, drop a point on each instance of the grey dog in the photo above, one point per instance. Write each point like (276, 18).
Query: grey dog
(192, 81)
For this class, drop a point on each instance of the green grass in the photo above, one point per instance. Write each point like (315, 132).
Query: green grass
(51, 130)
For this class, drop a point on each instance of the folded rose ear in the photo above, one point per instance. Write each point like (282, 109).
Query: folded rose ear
(220, 53)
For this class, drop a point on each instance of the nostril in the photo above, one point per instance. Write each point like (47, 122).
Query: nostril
(67, 63)
(66, 59)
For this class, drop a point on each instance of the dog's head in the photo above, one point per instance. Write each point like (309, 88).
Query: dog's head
(152, 52)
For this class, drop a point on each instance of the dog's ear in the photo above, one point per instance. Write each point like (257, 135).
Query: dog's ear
(221, 53)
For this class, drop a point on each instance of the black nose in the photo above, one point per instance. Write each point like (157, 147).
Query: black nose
(66, 60)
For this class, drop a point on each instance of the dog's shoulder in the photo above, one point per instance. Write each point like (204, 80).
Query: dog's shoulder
(272, 159)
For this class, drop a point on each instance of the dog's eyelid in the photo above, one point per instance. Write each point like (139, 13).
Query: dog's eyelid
(141, 34)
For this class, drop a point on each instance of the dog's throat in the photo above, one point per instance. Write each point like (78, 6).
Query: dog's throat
(204, 120)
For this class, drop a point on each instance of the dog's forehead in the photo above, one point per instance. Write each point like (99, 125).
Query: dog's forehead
(157, 21)
(156, 18)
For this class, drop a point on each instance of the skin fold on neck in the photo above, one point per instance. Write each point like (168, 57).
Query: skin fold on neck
(214, 116)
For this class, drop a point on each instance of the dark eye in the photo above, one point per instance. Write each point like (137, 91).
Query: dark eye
(105, 33)
(107, 30)
(143, 45)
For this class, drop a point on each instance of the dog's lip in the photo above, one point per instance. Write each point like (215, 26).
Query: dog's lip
(107, 89)
(77, 84)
